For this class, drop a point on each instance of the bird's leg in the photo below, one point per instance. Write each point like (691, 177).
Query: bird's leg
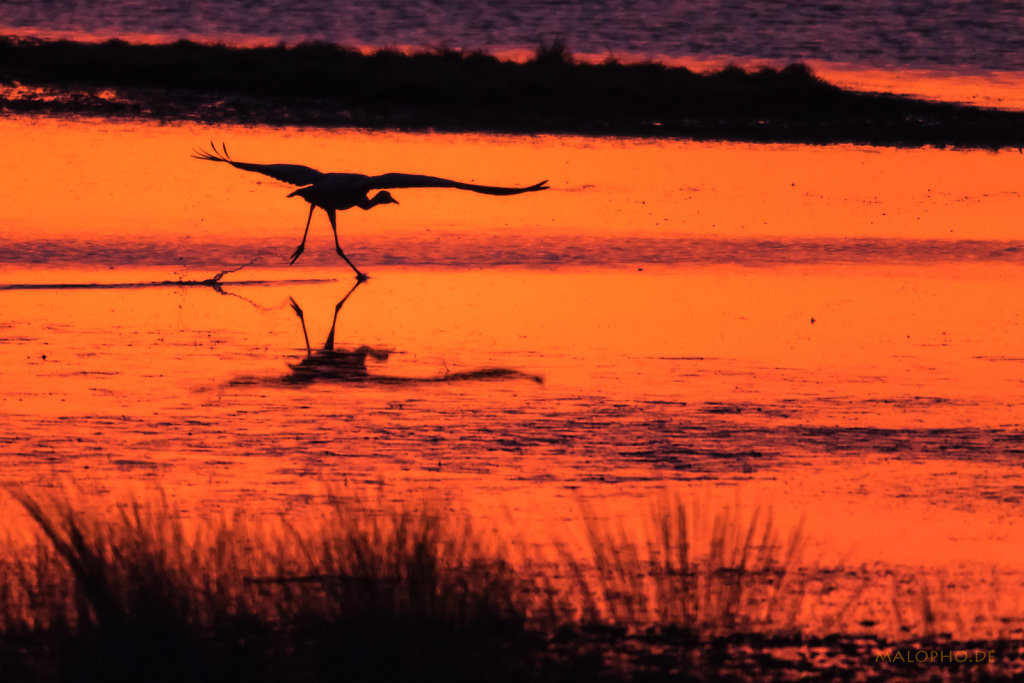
(329, 344)
(302, 247)
(302, 319)
(360, 276)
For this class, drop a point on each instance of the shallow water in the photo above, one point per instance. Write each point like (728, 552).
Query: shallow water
(830, 332)
(948, 51)
(943, 34)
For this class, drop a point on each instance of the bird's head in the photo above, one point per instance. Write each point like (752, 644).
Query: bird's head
(384, 197)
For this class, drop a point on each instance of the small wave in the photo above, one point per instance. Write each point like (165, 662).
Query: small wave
(503, 250)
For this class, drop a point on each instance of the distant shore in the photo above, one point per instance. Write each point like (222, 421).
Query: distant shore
(325, 85)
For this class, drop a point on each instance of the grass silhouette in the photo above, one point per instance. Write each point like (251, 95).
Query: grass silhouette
(141, 594)
(740, 579)
(369, 590)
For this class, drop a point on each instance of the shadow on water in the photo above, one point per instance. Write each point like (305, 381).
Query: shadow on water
(215, 282)
(330, 364)
(215, 285)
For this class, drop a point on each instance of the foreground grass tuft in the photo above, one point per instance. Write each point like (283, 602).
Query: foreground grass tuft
(141, 594)
(738, 578)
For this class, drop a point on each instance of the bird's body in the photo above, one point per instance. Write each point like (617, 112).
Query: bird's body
(335, 192)
(339, 192)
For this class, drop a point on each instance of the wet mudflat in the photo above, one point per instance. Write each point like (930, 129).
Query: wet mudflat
(815, 332)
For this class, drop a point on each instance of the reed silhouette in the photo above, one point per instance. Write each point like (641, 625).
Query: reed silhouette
(366, 589)
(335, 192)
(340, 365)
(140, 594)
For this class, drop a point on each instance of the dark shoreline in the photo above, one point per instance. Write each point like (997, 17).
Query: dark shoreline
(446, 90)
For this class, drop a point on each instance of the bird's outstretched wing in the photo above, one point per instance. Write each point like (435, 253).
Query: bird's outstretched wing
(391, 181)
(289, 173)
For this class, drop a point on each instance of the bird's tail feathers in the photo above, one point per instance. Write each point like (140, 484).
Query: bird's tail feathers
(213, 154)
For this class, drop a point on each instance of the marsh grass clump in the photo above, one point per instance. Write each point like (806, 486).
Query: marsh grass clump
(553, 53)
(141, 593)
(133, 593)
(396, 590)
(422, 565)
(736, 576)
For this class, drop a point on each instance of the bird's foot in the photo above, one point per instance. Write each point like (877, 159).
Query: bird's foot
(361, 277)
(297, 253)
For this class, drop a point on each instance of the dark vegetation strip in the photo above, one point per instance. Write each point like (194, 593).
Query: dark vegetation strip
(376, 591)
(326, 85)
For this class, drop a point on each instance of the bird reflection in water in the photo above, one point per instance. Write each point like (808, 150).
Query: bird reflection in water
(329, 363)
(338, 365)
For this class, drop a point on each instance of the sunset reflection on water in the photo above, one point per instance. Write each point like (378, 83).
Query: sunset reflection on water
(876, 401)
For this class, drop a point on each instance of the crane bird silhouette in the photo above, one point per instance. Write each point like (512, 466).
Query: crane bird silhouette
(335, 192)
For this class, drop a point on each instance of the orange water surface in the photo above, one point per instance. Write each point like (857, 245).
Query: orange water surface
(874, 399)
